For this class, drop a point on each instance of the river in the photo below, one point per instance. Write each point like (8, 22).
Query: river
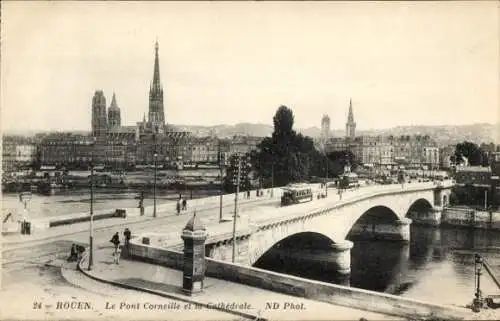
(68, 201)
(436, 266)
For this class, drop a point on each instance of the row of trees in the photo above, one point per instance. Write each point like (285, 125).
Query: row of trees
(288, 156)
(471, 153)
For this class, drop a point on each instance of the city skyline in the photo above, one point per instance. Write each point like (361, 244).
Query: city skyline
(398, 58)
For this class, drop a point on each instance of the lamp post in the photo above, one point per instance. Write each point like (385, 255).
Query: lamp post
(485, 199)
(272, 179)
(326, 176)
(221, 182)
(91, 237)
(236, 208)
(155, 156)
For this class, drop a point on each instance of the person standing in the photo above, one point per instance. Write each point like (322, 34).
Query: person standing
(141, 203)
(127, 235)
(115, 240)
(117, 255)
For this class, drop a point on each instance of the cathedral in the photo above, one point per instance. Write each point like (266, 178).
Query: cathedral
(149, 137)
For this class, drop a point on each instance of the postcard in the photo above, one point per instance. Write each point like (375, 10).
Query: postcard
(250, 160)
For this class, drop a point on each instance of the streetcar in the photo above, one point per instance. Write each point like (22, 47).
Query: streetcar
(295, 194)
(349, 180)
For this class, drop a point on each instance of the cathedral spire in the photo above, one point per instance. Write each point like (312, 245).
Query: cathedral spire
(113, 101)
(156, 115)
(350, 117)
(350, 126)
(156, 74)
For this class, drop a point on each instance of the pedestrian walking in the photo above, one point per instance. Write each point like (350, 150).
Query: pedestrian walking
(184, 204)
(127, 235)
(141, 203)
(115, 240)
(178, 207)
(117, 254)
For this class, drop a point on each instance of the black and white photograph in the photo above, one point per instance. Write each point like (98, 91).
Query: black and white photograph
(250, 160)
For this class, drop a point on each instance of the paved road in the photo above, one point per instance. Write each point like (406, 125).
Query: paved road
(33, 270)
(42, 252)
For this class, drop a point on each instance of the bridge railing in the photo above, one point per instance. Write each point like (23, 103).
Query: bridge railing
(325, 205)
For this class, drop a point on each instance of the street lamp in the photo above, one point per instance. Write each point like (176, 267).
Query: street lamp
(326, 176)
(236, 207)
(272, 179)
(155, 156)
(221, 170)
(91, 237)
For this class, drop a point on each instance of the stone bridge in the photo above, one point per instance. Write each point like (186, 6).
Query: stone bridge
(380, 212)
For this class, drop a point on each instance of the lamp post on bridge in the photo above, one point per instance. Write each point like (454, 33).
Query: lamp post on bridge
(272, 179)
(221, 172)
(326, 175)
(155, 157)
(236, 208)
(91, 236)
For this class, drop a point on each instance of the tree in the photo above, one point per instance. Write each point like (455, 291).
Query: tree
(475, 155)
(286, 156)
(283, 121)
(339, 160)
(230, 180)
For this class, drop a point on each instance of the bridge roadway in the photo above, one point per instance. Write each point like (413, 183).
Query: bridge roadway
(266, 214)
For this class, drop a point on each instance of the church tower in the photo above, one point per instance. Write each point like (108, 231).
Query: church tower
(156, 116)
(325, 128)
(99, 118)
(350, 126)
(114, 117)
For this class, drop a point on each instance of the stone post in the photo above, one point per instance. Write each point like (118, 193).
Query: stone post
(402, 229)
(341, 254)
(194, 236)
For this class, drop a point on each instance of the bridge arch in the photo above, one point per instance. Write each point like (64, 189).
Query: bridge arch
(369, 222)
(378, 214)
(419, 207)
(305, 240)
(307, 250)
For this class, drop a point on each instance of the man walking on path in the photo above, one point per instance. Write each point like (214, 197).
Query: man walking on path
(127, 234)
(116, 242)
(178, 205)
(141, 203)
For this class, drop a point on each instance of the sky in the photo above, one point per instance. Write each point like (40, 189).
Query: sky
(422, 63)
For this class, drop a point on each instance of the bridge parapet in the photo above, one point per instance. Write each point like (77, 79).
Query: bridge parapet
(260, 229)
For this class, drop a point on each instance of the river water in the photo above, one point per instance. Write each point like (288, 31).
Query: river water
(436, 266)
(64, 202)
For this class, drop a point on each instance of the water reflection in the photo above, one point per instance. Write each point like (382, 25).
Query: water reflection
(437, 265)
(379, 265)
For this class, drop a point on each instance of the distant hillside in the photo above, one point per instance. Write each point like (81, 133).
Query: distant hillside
(444, 135)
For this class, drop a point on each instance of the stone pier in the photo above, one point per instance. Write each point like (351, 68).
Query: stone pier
(431, 217)
(398, 230)
(341, 256)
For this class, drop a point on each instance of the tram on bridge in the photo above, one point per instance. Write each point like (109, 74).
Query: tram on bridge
(348, 180)
(295, 194)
